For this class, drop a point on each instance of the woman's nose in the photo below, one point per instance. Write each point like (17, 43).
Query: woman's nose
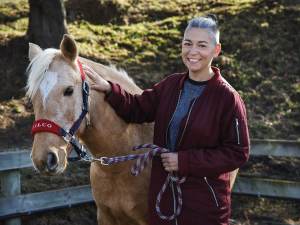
(193, 50)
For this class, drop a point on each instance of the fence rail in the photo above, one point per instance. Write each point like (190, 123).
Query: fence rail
(12, 162)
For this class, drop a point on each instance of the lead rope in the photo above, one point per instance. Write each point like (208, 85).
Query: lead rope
(136, 170)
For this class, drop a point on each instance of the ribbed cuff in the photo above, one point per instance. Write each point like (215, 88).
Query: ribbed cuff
(112, 88)
(113, 96)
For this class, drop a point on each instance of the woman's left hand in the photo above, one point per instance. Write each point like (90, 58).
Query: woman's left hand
(170, 161)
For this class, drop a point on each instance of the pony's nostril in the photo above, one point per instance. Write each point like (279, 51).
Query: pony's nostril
(52, 161)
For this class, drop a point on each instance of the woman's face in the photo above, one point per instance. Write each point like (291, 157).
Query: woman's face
(198, 50)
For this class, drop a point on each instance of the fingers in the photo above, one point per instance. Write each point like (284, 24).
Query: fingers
(87, 68)
(99, 83)
(95, 87)
(170, 161)
(90, 73)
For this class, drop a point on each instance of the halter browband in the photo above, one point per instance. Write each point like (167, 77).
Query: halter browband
(44, 125)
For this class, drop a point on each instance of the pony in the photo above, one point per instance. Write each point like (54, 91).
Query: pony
(54, 86)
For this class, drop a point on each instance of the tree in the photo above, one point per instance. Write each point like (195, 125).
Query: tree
(47, 22)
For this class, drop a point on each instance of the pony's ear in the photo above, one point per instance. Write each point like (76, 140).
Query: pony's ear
(34, 50)
(68, 48)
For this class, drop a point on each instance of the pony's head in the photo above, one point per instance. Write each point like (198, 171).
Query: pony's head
(55, 88)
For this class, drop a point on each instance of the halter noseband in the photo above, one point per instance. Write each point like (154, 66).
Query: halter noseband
(44, 125)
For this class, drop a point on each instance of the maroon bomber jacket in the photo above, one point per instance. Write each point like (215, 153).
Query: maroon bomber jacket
(215, 141)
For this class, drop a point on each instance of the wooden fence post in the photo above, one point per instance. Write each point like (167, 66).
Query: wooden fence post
(10, 186)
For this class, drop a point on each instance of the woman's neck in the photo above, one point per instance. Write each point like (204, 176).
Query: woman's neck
(202, 75)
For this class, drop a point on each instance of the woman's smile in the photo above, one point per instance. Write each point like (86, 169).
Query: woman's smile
(194, 60)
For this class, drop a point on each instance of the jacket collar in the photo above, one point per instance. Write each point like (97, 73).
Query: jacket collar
(213, 81)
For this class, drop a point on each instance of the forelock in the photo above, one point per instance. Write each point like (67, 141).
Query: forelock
(37, 70)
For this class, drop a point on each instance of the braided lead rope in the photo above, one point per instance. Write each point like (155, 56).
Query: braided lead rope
(179, 193)
(146, 157)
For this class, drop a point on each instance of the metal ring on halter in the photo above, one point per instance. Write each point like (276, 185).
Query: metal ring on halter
(88, 121)
(88, 159)
(84, 85)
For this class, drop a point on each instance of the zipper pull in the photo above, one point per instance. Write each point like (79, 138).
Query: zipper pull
(237, 130)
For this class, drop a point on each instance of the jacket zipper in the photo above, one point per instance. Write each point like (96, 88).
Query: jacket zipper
(212, 191)
(237, 132)
(171, 182)
(172, 186)
(186, 123)
(174, 201)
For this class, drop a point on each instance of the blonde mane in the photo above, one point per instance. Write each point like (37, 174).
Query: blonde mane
(37, 70)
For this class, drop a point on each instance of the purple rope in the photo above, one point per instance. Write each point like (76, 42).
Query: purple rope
(146, 157)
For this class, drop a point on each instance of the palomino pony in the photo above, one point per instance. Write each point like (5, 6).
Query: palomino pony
(55, 88)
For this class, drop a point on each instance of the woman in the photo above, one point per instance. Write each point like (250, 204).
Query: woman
(201, 119)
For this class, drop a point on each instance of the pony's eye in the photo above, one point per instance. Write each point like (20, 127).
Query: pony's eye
(68, 92)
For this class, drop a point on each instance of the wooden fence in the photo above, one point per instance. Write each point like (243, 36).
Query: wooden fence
(13, 204)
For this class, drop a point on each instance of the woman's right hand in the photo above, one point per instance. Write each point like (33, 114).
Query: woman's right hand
(99, 83)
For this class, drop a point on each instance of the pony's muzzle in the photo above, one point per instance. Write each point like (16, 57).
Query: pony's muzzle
(52, 162)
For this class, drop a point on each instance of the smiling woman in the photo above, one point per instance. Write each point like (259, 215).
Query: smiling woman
(201, 119)
(199, 46)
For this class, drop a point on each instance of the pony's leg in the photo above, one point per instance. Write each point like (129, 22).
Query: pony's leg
(105, 217)
(140, 216)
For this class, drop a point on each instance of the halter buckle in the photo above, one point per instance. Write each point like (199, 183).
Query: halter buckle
(86, 88)
(84, 107)
(88, 121)
(66, 139)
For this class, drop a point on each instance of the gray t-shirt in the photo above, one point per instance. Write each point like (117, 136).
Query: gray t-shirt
(191, 90)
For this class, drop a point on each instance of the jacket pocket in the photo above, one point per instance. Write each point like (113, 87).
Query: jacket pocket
(236, 130)
(212, 191)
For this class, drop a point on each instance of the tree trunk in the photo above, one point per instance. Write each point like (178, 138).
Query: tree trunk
(47, 23)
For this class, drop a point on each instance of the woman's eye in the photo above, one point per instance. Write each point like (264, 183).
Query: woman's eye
(68, 92)
(202, 46)
(187, 44)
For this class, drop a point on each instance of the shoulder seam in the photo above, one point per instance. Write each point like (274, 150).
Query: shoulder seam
(227, 84)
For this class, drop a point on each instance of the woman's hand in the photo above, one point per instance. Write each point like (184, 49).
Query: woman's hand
(170, 161)
(100, 83)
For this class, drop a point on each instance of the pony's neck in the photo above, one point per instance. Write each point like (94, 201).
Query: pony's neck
(108, 134)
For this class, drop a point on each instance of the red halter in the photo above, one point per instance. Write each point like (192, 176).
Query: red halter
(44, 125)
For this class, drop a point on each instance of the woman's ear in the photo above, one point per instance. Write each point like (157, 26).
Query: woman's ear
(217, 50)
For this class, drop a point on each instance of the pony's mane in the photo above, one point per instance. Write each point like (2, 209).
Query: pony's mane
(120, 76)
(121, 72)
(115, 74)
(37, 70)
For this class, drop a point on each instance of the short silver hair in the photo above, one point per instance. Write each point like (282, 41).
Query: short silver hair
(210, 23)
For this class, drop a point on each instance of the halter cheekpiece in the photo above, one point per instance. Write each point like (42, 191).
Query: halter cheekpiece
(44, 125)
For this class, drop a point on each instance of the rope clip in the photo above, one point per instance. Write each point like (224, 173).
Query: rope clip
(103, 161)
